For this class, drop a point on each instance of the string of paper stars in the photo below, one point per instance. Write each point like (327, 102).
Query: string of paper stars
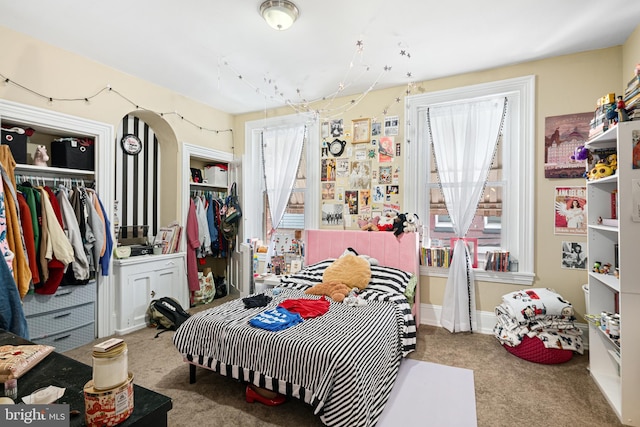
(108, 89)
(327, 110)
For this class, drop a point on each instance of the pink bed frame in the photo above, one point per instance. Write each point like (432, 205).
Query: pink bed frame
(401, 252)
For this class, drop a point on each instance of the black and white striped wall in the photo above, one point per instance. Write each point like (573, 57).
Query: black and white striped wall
(136, 177)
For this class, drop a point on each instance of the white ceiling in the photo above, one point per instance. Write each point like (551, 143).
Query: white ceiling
(223, 53)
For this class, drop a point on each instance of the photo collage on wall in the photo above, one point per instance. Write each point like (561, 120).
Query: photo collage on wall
(360, 180)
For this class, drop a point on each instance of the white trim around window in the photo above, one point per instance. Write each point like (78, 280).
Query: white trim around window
(521, 174)
(253, 178)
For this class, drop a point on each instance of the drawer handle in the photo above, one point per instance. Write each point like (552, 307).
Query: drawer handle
(171, 263)
(62, 338)
(62, 315)
(61, 294)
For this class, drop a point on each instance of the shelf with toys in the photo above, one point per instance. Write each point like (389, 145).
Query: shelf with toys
(613, 230)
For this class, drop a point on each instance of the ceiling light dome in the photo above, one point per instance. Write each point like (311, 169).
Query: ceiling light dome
(279, 14)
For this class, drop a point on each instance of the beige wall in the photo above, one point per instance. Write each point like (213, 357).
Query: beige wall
(60, 74)
(564, 85)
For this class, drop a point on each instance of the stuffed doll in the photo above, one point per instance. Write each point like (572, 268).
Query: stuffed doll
(398, 224)
(336, 291)
(411, 223)
(369, 225)
(386, 222)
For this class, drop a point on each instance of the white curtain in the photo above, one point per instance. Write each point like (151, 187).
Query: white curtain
(464, 138)
(281, 150)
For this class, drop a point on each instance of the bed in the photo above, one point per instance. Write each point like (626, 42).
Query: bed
(335, 362)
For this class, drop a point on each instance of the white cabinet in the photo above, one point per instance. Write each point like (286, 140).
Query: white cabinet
(140, 279)
(614, 363)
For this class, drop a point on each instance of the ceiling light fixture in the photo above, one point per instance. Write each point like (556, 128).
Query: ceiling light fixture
(279, 14)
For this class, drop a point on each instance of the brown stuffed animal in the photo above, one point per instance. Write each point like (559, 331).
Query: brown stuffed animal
(335, 291)
(349, 269)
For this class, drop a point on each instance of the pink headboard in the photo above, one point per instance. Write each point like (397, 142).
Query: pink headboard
(400, 252)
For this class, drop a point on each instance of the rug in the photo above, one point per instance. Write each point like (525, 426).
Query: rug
(429, 394)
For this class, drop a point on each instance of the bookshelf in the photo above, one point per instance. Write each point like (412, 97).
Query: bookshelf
(614, 368)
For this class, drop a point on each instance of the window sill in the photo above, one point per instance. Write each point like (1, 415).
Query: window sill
(515, 278)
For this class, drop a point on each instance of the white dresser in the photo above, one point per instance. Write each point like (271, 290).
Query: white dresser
(139, 280)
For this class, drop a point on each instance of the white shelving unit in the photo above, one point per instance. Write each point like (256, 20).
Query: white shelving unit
(616, 368)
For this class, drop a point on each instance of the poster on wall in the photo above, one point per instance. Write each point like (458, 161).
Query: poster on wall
(378, 193)
(328, 191)
(391, 125)
(384, 176)
(332, 214)
(570, 209)
(376, 128)
(574, 255)
(562, 136)
(337, 128)
(385, 149)
(328, 172)
(351, 198)
(342, 168)
(360, 177)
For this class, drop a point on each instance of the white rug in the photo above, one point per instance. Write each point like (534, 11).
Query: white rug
(428, 394)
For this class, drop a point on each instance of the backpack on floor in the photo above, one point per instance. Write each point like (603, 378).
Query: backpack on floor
(167, 314)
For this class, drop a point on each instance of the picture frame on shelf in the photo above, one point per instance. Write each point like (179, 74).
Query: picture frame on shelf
(361, 129)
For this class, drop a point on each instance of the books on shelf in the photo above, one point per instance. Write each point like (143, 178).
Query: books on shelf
(169, 238)
(614, 204)
(497, 261)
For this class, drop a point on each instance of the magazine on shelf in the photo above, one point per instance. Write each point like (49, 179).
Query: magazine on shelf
(168, 238)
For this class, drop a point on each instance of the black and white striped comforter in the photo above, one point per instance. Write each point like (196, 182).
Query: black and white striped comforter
(343, 363)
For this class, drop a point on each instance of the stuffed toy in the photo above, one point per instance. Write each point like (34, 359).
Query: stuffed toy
(398, 224)
(347, 272)
(386, 222)
(370, 224)
(411, 223)
(336, 291)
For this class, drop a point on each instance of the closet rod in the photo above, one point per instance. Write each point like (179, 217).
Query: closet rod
(37, 179)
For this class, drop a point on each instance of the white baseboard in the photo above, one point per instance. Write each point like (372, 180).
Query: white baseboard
(486, 320)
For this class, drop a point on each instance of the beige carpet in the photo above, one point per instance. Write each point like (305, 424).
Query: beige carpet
(509, 391)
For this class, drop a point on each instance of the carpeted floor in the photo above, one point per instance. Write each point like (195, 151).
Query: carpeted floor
(509, 391)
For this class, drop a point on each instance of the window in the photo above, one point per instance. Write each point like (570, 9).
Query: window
(304, 196)
(293, 218)
(505, 215)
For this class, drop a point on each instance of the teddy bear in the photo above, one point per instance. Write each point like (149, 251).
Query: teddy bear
(336, 291)
(347, 272)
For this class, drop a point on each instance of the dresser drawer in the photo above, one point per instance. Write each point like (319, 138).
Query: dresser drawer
(65, 296)
(60, 320)
(67, 340)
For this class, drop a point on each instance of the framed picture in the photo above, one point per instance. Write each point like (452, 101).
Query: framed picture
(361, 130)
(472, 244)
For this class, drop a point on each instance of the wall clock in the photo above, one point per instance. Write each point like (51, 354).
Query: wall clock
(336, 147)
(131, 144)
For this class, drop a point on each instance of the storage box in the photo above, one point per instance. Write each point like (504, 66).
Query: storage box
(217, 175)
(72, 153)
(108, 407)
(17, 143)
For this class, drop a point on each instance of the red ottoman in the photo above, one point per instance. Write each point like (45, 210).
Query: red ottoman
(533, 350)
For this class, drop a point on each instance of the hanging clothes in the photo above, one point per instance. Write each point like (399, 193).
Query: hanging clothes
(29, 237)
(80, 265)
(56, 252)
(105, 259)
(193, 244)
(15, 239)
(203, 229)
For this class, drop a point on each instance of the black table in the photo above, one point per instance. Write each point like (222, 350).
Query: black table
(149, 408)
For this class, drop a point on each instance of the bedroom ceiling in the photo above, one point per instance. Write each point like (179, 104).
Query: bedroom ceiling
(225, 55)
